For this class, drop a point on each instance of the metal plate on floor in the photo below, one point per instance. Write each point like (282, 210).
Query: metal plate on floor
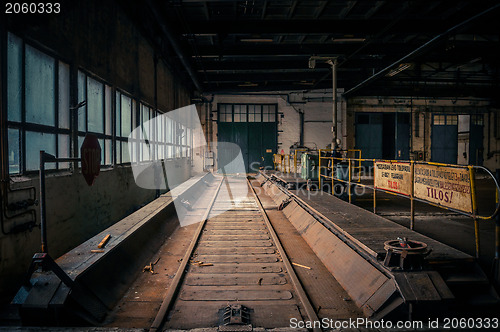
(237, 259)
(239, 243)
(240, 268)
(234, 250)
(234, 280)
(234, 295)
(236, 237)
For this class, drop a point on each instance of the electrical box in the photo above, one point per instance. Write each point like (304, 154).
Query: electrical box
(309, 169)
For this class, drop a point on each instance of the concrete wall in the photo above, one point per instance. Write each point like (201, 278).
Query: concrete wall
(99, 37)
(317, 108)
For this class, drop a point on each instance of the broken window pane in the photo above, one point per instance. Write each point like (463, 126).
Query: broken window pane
(82, 96)
(35, 142)
(14, 77)
(40, 83)
(14, 165)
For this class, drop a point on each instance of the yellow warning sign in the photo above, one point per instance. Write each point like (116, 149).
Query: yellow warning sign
(446, 186)
(393, 176)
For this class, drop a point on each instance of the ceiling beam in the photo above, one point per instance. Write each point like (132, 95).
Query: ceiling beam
(423, 48)
(320, 9)
(292, 9)
(320, 26)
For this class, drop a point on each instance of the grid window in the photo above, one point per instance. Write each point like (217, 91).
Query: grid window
(477, 120)
(95, 116)
(439, 120)
(37, 107)
(125, 121)
(225, 113)
(452, 119)
(268, 113)
(254, 113)
(240, 113)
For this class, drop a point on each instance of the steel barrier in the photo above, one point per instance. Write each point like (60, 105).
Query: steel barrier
(328, 173)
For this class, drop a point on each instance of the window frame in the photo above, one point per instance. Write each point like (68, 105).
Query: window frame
(102, 137)
(23, 126)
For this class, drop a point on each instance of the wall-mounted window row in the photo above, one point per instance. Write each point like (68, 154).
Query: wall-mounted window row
(37, 106)
(247, 113)
(39, 115)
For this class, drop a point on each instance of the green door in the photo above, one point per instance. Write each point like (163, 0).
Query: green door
(253, 127)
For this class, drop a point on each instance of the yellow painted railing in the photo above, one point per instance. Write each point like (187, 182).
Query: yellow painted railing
(326, 172)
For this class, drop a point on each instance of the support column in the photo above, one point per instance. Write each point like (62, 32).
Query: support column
(333, 63)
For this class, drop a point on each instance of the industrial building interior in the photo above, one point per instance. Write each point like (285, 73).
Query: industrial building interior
(249, 165)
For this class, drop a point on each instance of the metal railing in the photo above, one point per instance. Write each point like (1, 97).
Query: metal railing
(283, 162)
(327, 172)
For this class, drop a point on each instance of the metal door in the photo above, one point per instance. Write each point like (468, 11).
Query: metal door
(369, 134)
(444, 138)
(402, 136)
(253, 128)
(476, 137)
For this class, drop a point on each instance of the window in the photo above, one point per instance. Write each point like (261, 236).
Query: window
(439, 120)
(240, 113)
(95, 116)
(38, 112)
(268, 113)
(170, 137)
(225, 113)
(254, 113)
(477, 120)
(153, 141)
(247, 113)
(125, 121)
(452, 120)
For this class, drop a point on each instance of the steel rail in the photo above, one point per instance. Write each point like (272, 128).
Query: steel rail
(311, 313)
(173, 290)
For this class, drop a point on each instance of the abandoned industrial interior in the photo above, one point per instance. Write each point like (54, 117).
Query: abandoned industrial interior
(250, 165)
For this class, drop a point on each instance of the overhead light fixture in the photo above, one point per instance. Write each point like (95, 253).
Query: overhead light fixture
(400, 68)
(248, 84)
(348, 40)
(304, 83)
(256, 40)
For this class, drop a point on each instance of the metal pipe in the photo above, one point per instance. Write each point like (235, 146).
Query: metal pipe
(43, 221)
(474, 208)
(349, 182)
(173, 41)
(420, 49)
(334, 100)
(496, 262)
(412, 195)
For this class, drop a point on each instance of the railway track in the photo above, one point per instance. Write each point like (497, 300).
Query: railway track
(235, 274)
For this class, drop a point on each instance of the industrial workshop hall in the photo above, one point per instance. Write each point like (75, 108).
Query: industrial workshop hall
(249, 165)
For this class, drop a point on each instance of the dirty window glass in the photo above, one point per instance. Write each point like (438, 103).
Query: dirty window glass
(39, 82)
(95, 105)
(14, 77)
